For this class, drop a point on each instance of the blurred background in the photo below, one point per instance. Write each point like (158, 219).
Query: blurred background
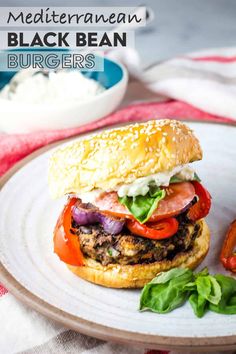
(178, 26)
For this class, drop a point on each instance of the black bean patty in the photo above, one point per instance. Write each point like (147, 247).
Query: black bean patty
(126, 248)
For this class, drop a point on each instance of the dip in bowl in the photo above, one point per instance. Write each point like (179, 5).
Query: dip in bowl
(79, 105)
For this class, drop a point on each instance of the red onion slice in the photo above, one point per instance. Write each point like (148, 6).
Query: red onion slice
(86, 213)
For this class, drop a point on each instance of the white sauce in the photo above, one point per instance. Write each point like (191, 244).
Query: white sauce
(186, 174)
(61, 86)
(141, 185)
(89, 197)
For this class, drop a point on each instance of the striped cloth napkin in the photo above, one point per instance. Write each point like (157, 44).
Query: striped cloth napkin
(199, 86)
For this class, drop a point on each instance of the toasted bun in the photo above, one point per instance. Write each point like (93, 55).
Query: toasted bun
(136, 276)
(121, 155)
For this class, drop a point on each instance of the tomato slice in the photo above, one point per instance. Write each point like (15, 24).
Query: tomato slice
(178, 196)
(156, 230)
(66, 244)
(200, 209)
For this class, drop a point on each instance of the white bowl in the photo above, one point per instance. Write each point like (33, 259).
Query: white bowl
(16, 117)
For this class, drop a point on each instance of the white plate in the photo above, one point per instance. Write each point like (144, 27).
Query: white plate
(28, 216)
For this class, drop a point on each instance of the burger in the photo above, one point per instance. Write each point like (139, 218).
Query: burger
(135, 206)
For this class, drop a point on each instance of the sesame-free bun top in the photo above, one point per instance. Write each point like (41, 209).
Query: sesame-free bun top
(121, 155)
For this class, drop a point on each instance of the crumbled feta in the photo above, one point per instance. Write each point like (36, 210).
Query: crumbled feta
(55, 87)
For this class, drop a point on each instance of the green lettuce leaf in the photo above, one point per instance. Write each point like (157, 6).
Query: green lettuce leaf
(199, 304)
(164, 277)
(209, 288)
(207, 291)
(171, 289)
(167, 291)
(142, 207)
(227, 303)
(204, 271)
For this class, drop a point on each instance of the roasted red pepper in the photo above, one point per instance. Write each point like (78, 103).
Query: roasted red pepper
(158, 230)
(227, 255)
(200, 209)
(66, 244)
